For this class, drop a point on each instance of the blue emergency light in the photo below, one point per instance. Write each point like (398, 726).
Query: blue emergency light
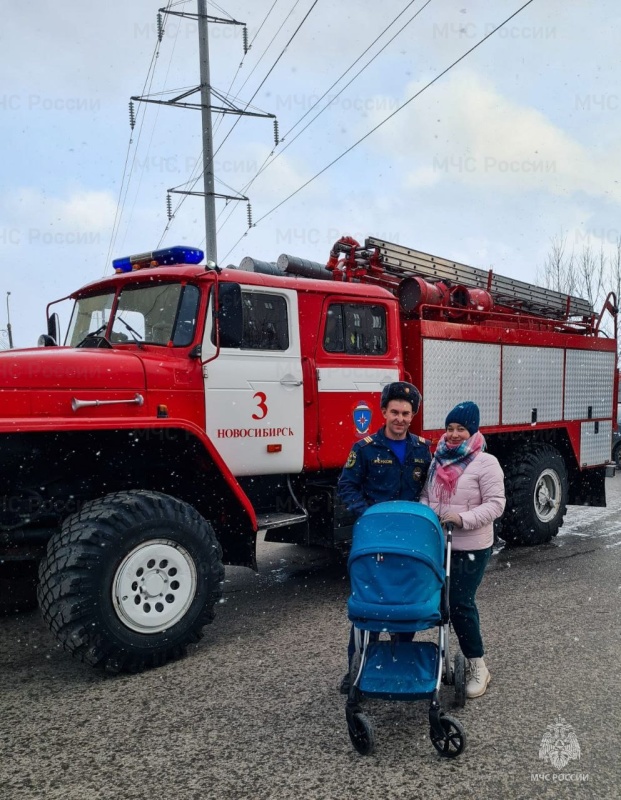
(159, 258)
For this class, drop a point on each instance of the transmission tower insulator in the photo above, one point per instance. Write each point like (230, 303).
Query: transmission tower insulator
(132, 115)
(245, 35)
(276, 133)
(249, 213)
(169, 207)
(160, 28)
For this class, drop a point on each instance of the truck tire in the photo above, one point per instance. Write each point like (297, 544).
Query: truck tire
(130, 580)
(536, 488)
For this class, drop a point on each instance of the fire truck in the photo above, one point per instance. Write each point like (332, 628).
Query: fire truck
(191, 407)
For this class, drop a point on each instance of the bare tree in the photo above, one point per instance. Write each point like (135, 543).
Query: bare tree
(591, 275)
(588, 274)
(614, 270)
(559, 270)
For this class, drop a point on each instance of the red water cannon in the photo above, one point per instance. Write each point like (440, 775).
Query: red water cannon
(415, 292)
(471, 299)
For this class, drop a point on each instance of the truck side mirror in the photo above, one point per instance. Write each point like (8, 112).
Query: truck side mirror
(50, 339)
(53, 327)
(230, 315)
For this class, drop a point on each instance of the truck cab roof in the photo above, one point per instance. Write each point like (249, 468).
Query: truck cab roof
(199, 275)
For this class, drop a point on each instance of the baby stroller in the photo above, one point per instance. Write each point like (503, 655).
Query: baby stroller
(399, 569)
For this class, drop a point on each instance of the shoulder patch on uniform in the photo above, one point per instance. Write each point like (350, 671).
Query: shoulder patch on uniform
(367, 440)
(422, 440)
(351, 460)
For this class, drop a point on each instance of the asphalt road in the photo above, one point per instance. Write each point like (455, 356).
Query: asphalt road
(253, 712)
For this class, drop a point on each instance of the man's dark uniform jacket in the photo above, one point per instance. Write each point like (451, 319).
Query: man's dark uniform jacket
(373, 474)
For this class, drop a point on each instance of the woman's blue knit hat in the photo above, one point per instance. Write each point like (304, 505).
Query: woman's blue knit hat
(466, 414)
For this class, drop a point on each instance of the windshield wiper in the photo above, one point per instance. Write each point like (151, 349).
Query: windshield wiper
(94, 336)
(135, 335)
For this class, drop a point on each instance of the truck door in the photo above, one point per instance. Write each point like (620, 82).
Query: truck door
(253, 386)
(357, 355)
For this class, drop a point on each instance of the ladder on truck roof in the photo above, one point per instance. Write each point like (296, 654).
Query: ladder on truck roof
(404, 261)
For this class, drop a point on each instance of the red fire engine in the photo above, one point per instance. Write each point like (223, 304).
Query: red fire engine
(192, 406)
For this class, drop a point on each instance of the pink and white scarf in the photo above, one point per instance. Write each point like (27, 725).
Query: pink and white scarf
(449, 463)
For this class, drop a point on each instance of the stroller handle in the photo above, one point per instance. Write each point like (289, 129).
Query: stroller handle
(448, 528)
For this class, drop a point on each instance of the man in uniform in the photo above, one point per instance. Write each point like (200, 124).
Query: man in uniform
(391, 464)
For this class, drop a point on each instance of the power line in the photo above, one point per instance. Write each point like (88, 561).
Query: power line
(271, 69)
(194, 180)
(282, 52)
(120, 203)
(383, 122)
(265, 18)
(124, 187)
(136, 193)
(221, 10)
(353, 64)
(246, 53)
(265, 165)
(295, 5)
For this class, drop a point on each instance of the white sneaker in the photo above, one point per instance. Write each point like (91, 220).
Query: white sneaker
(478, 678)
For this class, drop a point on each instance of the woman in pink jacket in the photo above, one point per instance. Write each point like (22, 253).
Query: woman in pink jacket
(465, 486)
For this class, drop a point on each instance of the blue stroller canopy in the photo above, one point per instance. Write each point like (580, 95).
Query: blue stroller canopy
(396, 568)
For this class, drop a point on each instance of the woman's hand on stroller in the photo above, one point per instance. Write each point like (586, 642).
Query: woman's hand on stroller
(452, 518)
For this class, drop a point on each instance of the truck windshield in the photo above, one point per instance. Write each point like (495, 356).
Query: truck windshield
(90, 314)
(155, 314)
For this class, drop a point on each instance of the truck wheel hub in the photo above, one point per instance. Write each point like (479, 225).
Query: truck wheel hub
(547, 495)
(154, 586)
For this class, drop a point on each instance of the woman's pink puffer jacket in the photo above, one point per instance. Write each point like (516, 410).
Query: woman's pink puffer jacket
(479, 499)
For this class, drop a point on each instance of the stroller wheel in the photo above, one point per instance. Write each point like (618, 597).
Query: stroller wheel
(361, 733)
(454, 740)
(459, 674)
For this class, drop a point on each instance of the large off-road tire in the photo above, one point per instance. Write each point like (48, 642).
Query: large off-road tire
(130, 580)
(536, 488)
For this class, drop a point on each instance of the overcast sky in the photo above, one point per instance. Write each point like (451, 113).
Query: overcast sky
(516, 144)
